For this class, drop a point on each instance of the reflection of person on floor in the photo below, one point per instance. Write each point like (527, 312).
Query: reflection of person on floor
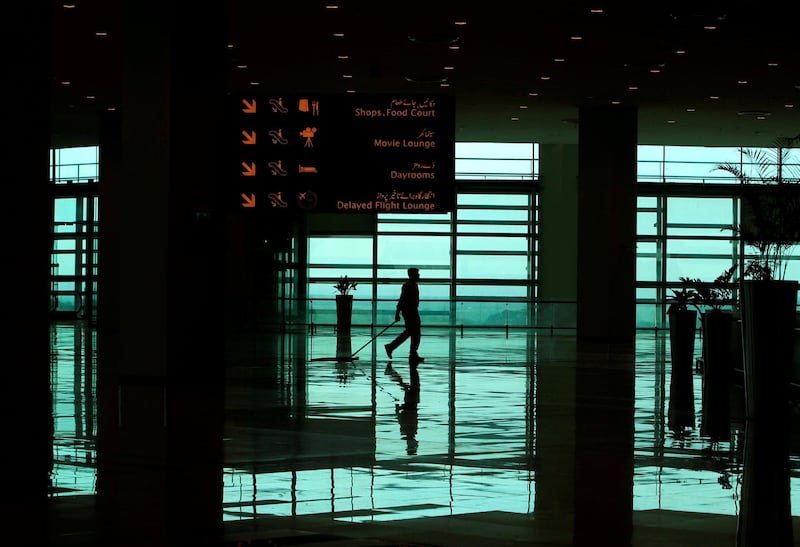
(407, 411)
(408, 306)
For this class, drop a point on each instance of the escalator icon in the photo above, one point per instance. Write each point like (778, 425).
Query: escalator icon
(276, 169)
(276, 200)
(277, 105)
(276, 135)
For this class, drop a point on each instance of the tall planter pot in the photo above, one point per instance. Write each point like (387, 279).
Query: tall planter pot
(682, 329)
(717, 371)
(768, 316)
(344, 317)
(344, 312)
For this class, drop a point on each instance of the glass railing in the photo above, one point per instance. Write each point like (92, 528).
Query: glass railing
(512, 313)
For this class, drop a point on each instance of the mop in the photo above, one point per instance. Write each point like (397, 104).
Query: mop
(353, 355)
(373, 338)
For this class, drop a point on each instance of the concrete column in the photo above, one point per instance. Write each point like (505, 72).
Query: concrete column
(606, 224)
(25, 229)
(604, 384)
(160, 314)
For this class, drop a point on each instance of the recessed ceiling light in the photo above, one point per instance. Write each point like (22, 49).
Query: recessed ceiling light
(596, 10)
(576, 37)
(655, 70)
(338, 34)
(533, 93)
(255, 83)
(772, 64)
(690, 109)
(347, 75)
(709, 27)
(788, 105)
(90, 97)
(523, 107)
(559, 60)
(742, 82)
(343, 57)
(351, 91)
(444, 84)
(230, 46)
(670, 121)
(111, 108)
(434, 39)
(449, 67)
(545, 78)
(241, 67)
(331, 6)
(454, 48)
(633, 87)
(69, 6)
(101, 33)
(615, 102)
(713, 97)
(680, 52)
(65, 82)
(514, 118)
(758, 114)
(460, 22)
(425, 79)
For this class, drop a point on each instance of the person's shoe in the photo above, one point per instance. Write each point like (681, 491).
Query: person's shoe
(388, 350)
(416, 358)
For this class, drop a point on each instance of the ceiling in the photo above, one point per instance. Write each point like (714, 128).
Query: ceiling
(699, 73)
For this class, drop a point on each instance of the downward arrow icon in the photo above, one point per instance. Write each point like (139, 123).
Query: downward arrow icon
(248, 137)
(249, 169)
(249, 107)
(249, 201)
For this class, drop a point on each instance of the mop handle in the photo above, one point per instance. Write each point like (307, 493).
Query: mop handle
(374, 337)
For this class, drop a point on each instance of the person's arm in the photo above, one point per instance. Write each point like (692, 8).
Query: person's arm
(400, 302)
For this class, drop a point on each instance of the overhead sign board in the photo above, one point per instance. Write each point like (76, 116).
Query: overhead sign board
(344, 153)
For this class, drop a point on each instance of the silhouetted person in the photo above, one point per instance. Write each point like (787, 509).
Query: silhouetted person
(408, 306)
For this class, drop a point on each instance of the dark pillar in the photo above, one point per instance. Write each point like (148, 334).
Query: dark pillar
(160, 347)
(25, 228)
(607, 224)
(605, 326)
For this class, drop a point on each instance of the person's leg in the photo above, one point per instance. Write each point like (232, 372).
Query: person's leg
(414, 327)
(391, 346)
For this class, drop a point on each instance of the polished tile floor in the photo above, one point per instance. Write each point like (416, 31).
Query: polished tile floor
(451, 451)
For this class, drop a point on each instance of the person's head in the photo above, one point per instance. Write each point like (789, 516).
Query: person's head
(413, 273)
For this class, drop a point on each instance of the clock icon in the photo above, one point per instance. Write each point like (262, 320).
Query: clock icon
(307, 200)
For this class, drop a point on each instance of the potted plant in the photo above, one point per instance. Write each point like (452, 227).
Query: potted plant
(344, 302)
(682, 329)
(717, 324)
(345, 285)
(768, 179)
(770, 224)
(344, 311)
